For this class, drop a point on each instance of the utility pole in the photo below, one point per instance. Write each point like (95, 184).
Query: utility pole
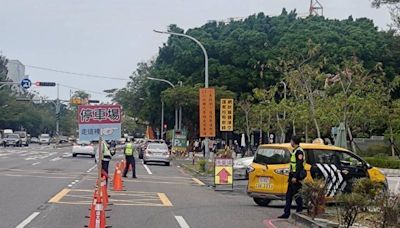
(180, 111)
(58, 111)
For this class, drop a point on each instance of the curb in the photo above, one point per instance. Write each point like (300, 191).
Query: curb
(305, 221)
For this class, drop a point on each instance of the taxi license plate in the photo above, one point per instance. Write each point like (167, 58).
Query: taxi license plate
(263, 183)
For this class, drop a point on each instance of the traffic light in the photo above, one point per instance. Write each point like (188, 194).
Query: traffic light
(45, 83)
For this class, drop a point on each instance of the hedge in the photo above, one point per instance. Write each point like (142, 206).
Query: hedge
(383, 163)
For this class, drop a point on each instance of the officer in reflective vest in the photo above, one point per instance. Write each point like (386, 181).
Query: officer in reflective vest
(296, 175)
(106, 158)
(130, 159)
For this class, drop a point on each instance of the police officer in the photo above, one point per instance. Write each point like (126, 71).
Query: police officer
(130, 159)
(296, 174)
(105, 160)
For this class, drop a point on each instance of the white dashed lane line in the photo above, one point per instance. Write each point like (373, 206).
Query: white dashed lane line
(181, 221)
(90, 170)
(36, 163)
(147, 168)
(28, 220)
(55, 159)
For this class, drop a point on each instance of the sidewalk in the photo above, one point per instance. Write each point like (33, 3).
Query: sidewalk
(391, 172)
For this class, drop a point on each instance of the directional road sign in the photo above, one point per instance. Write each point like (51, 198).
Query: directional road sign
(26, 83)
(223, 172)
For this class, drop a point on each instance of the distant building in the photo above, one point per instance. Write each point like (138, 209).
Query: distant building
(16, 70)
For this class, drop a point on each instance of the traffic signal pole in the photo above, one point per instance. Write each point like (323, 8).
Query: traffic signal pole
(58, 107)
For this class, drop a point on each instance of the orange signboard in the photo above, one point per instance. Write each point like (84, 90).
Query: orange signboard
(226, 115)
(207, 112)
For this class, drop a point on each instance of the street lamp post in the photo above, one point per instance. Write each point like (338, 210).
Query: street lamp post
(202, 48)
(207, 150)
(177, 122)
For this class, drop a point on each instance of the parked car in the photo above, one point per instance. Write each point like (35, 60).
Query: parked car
(12, 140)
(34, 140)
(44, 139)
(63, 139)
(144, 144)
(268, 174)
(240, 167)
(83, 148)
(157, 152)
(24, 137)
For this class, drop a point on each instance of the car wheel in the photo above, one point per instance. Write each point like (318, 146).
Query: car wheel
(262, 202)
(73, 155)
(167, 163)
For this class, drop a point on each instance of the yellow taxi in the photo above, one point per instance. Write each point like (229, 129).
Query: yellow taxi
(268, 174)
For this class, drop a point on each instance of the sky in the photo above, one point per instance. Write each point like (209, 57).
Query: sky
(109, 37)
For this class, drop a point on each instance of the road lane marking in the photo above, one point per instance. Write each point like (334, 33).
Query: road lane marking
(147, 169)
(164, 199)
(28, 220)
(182, 222)
(199, 182)
(36, 163)
(90, 170)
(55, 159)
(59, 195)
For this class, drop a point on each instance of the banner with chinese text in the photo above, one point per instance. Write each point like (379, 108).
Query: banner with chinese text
(207, 112)
(226, 115)
(96, 120)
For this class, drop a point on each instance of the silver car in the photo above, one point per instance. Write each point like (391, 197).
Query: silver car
(157, 152)
(240, 168)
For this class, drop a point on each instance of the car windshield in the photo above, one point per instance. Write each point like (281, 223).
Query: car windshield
(83, 142)
(22, 134)
(157, 146)
(269, 156)
(13, 136)
(44, 136)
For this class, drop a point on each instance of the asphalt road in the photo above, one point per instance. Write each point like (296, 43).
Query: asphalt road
(161, 196)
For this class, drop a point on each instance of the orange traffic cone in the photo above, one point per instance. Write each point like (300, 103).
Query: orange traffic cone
(117, 183)
(97, 217)
(104, 192)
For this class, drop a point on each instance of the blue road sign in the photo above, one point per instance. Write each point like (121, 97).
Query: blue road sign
(26, 83)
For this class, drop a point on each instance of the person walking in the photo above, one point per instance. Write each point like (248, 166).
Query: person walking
(130, 159)
(296, 175)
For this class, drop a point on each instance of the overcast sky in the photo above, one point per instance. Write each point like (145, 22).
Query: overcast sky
(109, 37)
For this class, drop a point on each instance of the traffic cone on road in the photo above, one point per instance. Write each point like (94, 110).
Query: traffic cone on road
(97, 217)
(104, 192)
(117, 183)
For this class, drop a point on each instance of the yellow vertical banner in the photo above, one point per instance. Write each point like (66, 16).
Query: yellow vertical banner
(226, 115)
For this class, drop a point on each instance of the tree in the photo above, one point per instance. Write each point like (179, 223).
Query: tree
(394, 6)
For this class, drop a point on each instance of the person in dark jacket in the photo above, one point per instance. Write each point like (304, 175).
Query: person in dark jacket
(296, 175)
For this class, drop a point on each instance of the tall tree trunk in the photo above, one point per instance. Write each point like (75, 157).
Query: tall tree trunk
(353, 145)
(294, 127)
(306, 132)
(247, 130)
(314, 116)
(392, 140)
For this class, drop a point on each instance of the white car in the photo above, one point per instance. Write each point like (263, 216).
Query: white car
(44, 139)
(240, 168)
(157, 152)
(83, 148)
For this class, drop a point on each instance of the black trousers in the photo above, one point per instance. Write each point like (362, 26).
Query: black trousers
(104, 167)
(130, 160)
(292, 190)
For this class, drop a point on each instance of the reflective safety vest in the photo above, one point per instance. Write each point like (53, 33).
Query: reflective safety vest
(293, 159)
(129, 149)
(106, 152)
